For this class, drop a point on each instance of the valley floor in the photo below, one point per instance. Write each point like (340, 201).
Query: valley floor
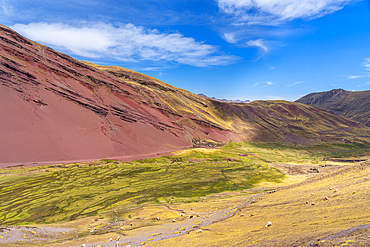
(328, 208)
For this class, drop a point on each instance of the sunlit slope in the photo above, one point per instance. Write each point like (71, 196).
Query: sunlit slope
(353, 105)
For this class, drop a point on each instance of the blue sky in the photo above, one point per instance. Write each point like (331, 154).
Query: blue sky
(234, 49)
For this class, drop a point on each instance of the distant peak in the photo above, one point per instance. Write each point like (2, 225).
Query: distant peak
(338, 90)
(225, 100)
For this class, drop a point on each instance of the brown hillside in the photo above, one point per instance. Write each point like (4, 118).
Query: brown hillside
(55, 108)
(353, 105)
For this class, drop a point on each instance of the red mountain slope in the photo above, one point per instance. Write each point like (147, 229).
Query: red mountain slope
(55, 108)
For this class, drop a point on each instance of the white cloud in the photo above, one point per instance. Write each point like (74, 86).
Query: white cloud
(126, 42)
(151, 69)
(364, 85)
(263, 84)
(268, 83)
(6, 8)
(275, 12)
(354, 76)
(367, 63)
(259, 43)
(295, 83)
(230, 38)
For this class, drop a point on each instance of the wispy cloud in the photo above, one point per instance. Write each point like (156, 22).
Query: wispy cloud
(367, 63)
(230, 37)
(268, 83)
(241, 35)
(6, 8)
(365, 84)
(151, 69)
(295, 83)
(275, 12)
(263, 84)
(126, 42)
(259, 43)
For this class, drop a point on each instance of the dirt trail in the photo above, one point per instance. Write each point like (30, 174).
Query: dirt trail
(177, 229)
(28, 234)
(347, 232)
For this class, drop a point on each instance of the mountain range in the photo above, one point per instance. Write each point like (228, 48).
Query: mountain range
(226, 100)
(55, 108)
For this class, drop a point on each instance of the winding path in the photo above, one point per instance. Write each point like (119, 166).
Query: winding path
(181, 228)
